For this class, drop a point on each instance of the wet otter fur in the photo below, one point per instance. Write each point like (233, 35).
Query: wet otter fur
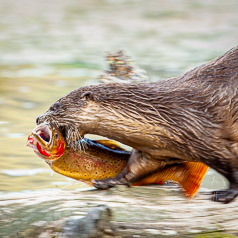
(193, 117)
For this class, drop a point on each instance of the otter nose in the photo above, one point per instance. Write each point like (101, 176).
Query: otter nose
(37, 120)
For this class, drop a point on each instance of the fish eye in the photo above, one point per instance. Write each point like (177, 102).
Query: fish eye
(56, 136)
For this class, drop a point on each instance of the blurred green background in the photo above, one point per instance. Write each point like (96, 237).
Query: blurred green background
(48, 48)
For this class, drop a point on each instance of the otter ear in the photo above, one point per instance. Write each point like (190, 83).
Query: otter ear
(87, 95)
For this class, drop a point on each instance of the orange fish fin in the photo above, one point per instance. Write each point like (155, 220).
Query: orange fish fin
(111, 144)
(188, 174)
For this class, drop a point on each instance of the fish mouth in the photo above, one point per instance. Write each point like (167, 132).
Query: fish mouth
(44, 142)
(40, 139)
(43, 134)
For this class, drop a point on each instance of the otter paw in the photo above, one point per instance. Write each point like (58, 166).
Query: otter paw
(109, 183)
(224, 196)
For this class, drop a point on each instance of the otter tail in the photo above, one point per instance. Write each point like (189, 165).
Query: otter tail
(188, 174)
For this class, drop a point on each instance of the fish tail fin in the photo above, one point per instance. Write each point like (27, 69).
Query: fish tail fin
(193, 175)
(188, 174)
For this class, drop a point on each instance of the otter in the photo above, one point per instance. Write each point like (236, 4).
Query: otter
(192, 117)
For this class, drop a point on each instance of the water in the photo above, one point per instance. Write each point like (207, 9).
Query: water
(48, 48)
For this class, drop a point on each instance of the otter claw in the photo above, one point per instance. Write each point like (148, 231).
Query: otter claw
(224, 196)
(109, 183)
(100, 184)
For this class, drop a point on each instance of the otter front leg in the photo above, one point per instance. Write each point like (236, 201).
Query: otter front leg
(138, 167)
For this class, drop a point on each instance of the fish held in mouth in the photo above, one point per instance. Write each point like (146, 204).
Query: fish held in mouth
(47, 142)
(105, 159)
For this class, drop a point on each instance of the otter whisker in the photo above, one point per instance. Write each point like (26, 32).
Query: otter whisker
(84, 144)
(83, 147)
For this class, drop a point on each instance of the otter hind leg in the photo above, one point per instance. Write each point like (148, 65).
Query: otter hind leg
(138, 167)
(224, 196)
(228, 195)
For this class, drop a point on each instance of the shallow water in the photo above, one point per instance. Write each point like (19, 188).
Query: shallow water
(48, 48)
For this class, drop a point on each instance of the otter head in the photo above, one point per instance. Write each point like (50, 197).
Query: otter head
(73, 114)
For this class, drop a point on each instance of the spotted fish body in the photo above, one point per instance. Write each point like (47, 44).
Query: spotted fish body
(103, 159)
(97, 161)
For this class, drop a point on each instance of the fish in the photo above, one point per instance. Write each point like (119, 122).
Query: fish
(103, 159)
(48, 143)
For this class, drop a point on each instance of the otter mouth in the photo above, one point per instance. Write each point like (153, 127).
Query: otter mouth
(70, 133)
(63, 131)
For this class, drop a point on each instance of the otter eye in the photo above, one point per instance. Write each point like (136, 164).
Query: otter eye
(55, 106)
(87, 95)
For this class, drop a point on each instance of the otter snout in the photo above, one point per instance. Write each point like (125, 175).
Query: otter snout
(40, 119)
(37, 120)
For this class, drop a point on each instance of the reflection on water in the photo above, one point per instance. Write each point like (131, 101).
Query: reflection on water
(49, 48)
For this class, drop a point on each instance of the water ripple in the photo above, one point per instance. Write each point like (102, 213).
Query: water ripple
(24, 172)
